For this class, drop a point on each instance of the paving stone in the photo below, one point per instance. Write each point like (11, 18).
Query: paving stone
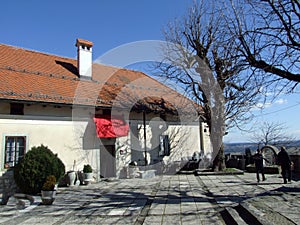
(155, 212)
(153, 219)
(167, 220)
(112, 220)
(116, 212)
(168, 199)
(172, 210)
(190, 219)
(41, 220)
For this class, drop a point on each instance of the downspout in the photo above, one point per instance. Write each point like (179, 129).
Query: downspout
(145, 137)
(200, 120)
(201, 138)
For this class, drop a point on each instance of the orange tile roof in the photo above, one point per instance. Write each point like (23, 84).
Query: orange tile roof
(27, 75)
(85, 42)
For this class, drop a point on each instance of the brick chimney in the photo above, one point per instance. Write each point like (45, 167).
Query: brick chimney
(84, 58)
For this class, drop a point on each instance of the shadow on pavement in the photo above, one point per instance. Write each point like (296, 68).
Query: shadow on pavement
(288, 189)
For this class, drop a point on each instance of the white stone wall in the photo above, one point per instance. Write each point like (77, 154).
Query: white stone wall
(63, 137)
(205, 139)
(71, 133)
(123, 156)
(184, 141)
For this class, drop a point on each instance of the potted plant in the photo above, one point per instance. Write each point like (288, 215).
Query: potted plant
(88, 173)
(48, 190)
(72, 175)
(133, 169)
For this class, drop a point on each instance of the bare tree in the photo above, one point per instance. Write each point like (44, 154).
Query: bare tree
(200, 61)
(272, 133)
(268, 39)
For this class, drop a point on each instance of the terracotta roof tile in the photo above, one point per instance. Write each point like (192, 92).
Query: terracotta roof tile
(27, 75)
(85, 42)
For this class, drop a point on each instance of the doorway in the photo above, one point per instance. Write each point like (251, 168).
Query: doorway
(107, 161)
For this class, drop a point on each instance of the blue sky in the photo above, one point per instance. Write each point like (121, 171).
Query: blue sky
(53, 26)
(284, 109)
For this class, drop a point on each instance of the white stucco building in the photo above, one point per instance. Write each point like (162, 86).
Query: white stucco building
(92, 113)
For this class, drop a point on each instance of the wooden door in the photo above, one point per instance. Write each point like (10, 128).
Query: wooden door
(107, 161)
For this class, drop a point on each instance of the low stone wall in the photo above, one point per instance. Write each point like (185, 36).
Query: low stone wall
(267, 169)
(8, 186)
(296, 160)
(236, 163)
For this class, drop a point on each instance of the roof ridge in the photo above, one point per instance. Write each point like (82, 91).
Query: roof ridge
(60, 76)
(36, 51)
(78, 79)
(94, 62)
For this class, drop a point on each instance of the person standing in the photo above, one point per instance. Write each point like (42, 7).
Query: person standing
(259, 165)
(285, 163)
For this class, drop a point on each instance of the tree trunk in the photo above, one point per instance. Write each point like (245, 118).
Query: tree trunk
(219, 161)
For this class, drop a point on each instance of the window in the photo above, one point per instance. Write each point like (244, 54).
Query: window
(164, 145)
(16, 109)
(14, 150)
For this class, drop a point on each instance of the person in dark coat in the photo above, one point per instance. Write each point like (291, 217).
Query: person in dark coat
(285, 163)
(259, 165)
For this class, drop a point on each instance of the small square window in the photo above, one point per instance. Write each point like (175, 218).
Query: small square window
(16, 109)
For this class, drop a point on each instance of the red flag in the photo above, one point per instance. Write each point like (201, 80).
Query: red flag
(111, 126)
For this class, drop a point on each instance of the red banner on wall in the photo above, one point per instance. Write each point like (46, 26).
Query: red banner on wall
(111, 126)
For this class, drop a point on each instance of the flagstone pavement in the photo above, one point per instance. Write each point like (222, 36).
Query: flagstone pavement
(167, 199)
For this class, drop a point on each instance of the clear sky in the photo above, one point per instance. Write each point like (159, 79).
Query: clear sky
(52, 26)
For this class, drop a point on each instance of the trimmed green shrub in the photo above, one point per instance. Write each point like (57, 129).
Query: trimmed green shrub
(87, 168)
(33, 169)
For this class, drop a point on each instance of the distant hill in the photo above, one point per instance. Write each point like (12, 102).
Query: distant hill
(240, 147)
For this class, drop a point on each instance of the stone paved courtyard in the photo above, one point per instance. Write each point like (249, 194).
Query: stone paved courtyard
(174, 199)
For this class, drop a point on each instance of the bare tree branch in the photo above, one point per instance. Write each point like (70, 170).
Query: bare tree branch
(202, 63)
(270, 41)
(272, 133)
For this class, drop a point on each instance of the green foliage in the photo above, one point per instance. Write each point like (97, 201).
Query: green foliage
(230, 170)
(37, 164)
(87, 169)
(49, 183)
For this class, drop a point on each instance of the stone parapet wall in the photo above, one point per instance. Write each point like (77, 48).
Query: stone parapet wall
(296, 160)
(8, 186)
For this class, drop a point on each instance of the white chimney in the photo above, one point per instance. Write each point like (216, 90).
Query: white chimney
(84, 58)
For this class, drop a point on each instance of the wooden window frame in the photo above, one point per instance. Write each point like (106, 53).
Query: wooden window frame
(16, 152)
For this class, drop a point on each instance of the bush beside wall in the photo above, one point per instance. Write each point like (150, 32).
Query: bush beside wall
(38, 163)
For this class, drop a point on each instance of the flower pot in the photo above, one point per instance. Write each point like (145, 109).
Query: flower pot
(133, 171)
(88, 177)
(48, 197)
(72, 178)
